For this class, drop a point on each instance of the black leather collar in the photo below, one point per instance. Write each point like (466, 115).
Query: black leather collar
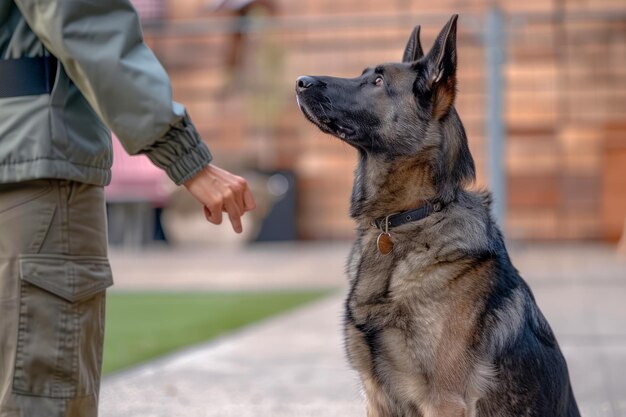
(395, 220)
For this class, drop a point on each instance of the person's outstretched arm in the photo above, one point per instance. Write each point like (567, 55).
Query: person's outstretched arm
(101, 47)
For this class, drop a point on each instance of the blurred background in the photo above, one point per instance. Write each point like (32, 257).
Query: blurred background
(542, 95)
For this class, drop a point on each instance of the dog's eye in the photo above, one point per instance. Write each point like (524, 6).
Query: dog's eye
(379, 81)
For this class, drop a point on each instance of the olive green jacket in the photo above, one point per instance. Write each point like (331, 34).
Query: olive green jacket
(107, 78)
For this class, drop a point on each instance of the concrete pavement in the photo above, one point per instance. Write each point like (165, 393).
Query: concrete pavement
(290, 366)
(294, 365)
(256, 267)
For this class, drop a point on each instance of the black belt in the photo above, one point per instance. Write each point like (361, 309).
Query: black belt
(27, 76)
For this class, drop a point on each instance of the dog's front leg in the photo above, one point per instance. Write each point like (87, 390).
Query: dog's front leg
(378, 403)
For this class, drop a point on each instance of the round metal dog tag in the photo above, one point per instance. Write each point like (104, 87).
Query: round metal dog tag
(384, 243)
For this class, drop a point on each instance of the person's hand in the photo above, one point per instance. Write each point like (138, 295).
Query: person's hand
(220, 191)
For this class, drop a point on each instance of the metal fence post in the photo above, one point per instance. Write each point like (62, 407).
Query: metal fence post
(494, 112)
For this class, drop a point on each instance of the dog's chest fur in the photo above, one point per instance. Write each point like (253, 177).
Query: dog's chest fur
(410, 317)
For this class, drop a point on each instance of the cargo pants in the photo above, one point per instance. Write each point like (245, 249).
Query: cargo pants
(53, 276)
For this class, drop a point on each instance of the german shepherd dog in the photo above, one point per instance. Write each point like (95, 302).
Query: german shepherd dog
(438, 322)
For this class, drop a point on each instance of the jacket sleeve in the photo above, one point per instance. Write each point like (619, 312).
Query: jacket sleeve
(101, 47)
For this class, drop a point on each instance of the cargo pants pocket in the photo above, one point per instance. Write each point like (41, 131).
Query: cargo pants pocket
(61, 325)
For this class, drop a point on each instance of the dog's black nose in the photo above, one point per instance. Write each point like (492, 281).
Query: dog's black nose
(304, 82)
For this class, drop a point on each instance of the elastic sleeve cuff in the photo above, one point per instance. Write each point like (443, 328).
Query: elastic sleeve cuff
(180, 152)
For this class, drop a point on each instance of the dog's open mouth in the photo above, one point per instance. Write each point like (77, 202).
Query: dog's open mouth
(326, 124)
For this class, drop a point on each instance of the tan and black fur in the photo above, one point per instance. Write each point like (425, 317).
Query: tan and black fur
(443, 326)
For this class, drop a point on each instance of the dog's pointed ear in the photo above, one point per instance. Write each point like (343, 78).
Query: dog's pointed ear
(442, 68)
(413, 50)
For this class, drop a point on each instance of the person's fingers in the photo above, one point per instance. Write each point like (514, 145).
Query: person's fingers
(229, 198)
(229, 205)
(220, 191)
(234, 216)
(237, 185)
(207, 213)
(240, 186)
(248, 199)
(213, 212)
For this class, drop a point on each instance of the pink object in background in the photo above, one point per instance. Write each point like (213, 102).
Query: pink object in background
(150, 10)
(135, 179)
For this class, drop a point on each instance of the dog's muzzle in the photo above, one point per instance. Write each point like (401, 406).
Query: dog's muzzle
(304, 82)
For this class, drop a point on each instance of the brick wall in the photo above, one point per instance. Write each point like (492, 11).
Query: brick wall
(566, 91)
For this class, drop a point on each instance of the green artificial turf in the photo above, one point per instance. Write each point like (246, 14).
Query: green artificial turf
(142, 326)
